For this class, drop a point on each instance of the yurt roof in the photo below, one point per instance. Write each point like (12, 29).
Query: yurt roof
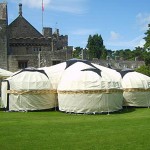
(5, 73)
(135, 80)
(125, 71)
(30, 79)
(86, 76)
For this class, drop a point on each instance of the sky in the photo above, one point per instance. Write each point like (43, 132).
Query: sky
(121, 23)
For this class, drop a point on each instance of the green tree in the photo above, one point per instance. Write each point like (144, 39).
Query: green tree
(77, 52)
(146, 56)
(95, 46)
(128, 54)
(144, 70)
(147, 39)
(139, 53)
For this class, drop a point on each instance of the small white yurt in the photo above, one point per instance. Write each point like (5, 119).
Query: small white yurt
(136, 89)
(85, 88)
(28, 89)
(4, 74)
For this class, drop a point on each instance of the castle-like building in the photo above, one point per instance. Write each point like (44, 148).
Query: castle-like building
(22, 46)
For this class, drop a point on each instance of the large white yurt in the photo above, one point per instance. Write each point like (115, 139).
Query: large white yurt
(28, 89)
(85, 88)
(136, 89)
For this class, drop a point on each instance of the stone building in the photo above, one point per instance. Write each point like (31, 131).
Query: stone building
(119, 64)
(22, 46)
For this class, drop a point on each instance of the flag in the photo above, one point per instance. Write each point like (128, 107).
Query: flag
(42, 6)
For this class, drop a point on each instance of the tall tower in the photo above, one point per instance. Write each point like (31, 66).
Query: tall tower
(3, 35)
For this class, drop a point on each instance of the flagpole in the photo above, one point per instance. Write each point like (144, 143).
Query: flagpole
(42, 13)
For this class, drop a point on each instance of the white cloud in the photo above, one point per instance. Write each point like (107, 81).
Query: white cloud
(143, 19)
(35, 3)
(32, 3)
(114, 35)
(138, 41)
(141, 43)
(84, 32)
(70, 6)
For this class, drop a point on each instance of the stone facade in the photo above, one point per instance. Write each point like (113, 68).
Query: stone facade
(3, 36)
(119, 64)
(22, 46)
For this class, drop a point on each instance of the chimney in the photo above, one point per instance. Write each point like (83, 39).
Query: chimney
(20, 9)
(47, 32)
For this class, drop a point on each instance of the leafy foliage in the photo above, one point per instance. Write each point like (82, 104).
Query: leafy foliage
(77, 52)
(147, 39)
(96, 48)
(144, 70)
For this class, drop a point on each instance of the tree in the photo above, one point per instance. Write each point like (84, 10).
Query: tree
(128, 54)
(144, 70)
(95, 46)
(146, 56)
(139, 53)
(77, 52)
(147, 39)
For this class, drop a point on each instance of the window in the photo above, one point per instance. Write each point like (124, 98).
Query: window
(22, 64)
(55, 62)
(37, 49)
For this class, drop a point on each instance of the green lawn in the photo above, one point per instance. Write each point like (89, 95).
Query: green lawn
(127, 130)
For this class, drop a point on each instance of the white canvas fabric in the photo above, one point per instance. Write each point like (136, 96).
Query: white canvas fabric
(28, 90)
(54, 73)
(83, 90)
(5, 73)
(136, 88)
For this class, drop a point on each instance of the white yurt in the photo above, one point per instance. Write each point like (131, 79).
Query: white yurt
(136, 89)
(4, 74)
(85, 88)
(28, 89)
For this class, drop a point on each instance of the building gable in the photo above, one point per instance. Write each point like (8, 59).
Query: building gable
(21, 28)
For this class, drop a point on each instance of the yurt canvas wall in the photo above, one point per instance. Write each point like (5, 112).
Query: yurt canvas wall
(29, 89)
(85, 88)
(3, 74)
(136, 87)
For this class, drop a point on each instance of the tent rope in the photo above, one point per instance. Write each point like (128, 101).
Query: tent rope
(108, 91)
(31, 92)
(136, 90)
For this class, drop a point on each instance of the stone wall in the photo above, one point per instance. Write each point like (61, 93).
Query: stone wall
(3, 37)
(40, 59)
(119, 64)
(13, 60)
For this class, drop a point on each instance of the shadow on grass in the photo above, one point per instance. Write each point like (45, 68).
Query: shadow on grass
(42, 110)
(122, 111)
(126, 109)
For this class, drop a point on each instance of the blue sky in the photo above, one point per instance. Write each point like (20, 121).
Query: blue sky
(121, 23)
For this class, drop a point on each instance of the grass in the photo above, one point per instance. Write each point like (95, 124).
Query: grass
(126, 130)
